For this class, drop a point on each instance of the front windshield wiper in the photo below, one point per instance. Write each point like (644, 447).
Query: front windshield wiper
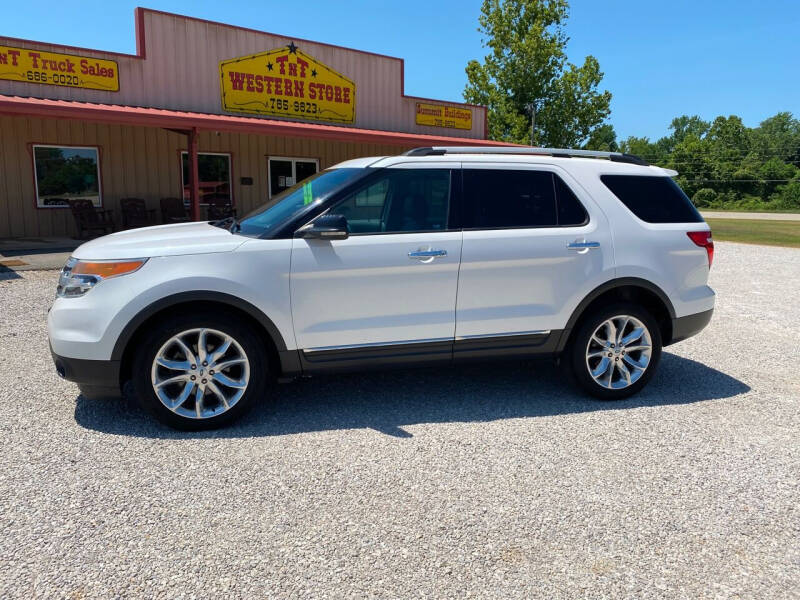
(229, 223)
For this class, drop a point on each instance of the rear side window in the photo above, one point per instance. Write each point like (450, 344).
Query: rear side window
(500, 198)
(653, 199)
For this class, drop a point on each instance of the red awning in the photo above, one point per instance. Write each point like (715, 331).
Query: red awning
(175, 119)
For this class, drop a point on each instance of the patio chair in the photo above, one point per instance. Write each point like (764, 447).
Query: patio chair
(219, 207)
(88, 218)
(173, 210)
(136, 214)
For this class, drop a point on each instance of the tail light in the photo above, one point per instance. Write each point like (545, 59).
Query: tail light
(703, 239)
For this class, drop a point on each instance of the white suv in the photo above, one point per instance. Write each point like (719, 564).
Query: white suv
(435, 256)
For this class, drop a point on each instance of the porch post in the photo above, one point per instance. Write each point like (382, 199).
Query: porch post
(194, 177)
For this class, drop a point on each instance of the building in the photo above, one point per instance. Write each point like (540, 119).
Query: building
(203, 111)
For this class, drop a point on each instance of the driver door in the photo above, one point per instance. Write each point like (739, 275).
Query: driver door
(388, 291)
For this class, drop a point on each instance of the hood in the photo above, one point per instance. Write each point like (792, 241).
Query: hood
(161, 240)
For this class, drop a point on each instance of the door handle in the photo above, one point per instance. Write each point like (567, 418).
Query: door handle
(582, 245)
(423, 254)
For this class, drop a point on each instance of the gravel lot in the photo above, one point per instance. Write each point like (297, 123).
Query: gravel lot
(487, 481)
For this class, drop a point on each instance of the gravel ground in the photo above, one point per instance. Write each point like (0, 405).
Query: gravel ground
(489, 481)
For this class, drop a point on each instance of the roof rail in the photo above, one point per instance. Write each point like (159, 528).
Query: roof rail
(559, 152)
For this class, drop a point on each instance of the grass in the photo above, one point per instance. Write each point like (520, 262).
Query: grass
(756, 231)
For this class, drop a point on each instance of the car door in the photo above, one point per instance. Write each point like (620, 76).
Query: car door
(534, 245)
(389, 289)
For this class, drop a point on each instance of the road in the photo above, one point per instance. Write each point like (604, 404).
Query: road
(767, 216)
(491, 481)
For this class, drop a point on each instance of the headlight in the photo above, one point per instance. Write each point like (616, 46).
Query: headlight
(79, 276)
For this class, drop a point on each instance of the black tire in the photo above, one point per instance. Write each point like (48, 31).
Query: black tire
(161, 331)
(577, 352)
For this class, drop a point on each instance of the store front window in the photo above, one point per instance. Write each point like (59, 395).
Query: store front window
(285, 172)
(214, 171)
(66, 173)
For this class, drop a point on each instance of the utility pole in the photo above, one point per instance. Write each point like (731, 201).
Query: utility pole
(531, 106)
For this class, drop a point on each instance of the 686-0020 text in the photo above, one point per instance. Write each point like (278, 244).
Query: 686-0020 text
(57, 78)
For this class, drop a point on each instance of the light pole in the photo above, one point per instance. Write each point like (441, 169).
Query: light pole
(531, 106)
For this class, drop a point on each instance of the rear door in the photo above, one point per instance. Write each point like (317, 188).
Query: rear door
(534, 245)
(393, 282)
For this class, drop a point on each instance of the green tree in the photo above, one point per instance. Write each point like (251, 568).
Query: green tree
(603, 138)
(527, 65)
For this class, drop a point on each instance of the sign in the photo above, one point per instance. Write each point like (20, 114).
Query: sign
(437, 115)
(287, 82)
(54, 68)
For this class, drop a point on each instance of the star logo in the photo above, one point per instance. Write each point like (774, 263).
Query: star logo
(313, 72)
(292, 48)
(269, 66)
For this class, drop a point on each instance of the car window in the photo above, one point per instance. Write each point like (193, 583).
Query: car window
(399, 200)
(289, 203)
(654, 199)
(570, 209)
(504, 198)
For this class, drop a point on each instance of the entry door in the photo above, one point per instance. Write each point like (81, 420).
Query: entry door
(534, 246)
(394, 280)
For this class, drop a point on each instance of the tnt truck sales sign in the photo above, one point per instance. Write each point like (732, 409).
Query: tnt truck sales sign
(54, 68)
(287, 82)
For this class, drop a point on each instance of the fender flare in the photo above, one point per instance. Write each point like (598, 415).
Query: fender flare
(608, 286)
(133, 325)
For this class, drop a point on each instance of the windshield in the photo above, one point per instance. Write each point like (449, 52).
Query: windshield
(290, 203)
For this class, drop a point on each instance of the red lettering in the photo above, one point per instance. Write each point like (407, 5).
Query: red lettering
(328, 93)
(268, 83)
(34, 56)
(338, 94)
(303, 64)
(3, 59)
(298, 89)
(259, 84)
(237, 79)
(13, 54)
(287, 87)
(293, 69)
(280, 60)
(277, 81)
(346, 95)
(70, 66)
(250, 78)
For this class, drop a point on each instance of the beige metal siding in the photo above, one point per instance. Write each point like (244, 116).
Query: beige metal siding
(181, 71)
(141, 162)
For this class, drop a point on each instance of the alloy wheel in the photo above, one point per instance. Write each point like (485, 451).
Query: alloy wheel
(200, 373)
(619, 352)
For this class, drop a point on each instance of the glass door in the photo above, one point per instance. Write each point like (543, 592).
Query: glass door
(286, 172)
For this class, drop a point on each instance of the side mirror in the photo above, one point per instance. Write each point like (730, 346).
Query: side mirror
(325, 227)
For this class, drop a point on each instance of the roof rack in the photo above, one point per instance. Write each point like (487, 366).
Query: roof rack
(559, 152)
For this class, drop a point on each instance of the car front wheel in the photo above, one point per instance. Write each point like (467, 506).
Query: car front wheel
(615, 351)
(199, 371)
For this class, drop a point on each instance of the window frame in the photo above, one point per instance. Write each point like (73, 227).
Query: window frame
(96, 148)
(452, 199)
(522, 167)
(294, 160)
(181, 153)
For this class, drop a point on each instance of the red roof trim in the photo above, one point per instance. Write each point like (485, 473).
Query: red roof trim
(173, 119)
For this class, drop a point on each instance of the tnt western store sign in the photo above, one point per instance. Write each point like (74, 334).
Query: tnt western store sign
(206, 113)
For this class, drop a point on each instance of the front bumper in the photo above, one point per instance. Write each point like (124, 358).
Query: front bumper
(101, 376)
(686, 327)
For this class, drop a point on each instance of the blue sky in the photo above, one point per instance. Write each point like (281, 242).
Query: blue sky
(661, 59)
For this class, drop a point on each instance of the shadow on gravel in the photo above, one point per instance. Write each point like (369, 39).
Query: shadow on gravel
(386, 401)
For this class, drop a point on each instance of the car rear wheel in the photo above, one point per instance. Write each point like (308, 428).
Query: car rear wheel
(615, 351)
(199, 371)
